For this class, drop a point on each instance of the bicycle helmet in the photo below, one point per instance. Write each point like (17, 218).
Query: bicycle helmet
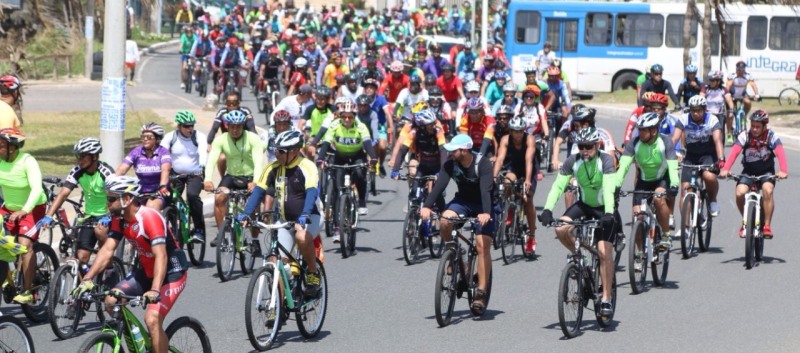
(370, 82)
(505, 110)
(185, 117)
(364, 100)
(499, 65)
(347, 106)
(289, 139)
(11, 82)
(435, 93)
(510, 87)
(531, 90)
(488, 58)
(691, 69)
(697, 102)
(553, 71)
(415, 80)
(741, 65)
(154, 128)
(517, 123)
(282, 116)
(529, 69)
(467, 45)
(351, 77)
(583, 113)
(323, 92)
(473, 86)
(122, 184)
(396, 66)
(448, 67)
(87, 145)
(557, 62)
(235, 117)
(475, 104)
(586, 135)
(424, 117)
(715, 75)
(430, 80)
(341, 100)
(648, 120)
(659, 98)
(647, 97)
(760, 116)
(13, 137)
(656, 69)
(300, 63)
(502, 76)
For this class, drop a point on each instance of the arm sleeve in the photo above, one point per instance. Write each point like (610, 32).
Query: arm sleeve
(216, 147)
(194, 48)
(254, 200)
(609, 187)
(401, 154)
(681, 88)
(555, 192)
(373, 122)
(672, 161)
(213, 131)
(732, 155)
(485, 145)
(35, 181)
(781, 154)
(323, 150)
(486, 182)
(671, 93)
(438, 187)
(367, 144)
(624, 164)
(257, 153)
(311, 198)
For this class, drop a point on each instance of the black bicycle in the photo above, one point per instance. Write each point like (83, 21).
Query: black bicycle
(696, 220)
(512, 227)
(346, 211)
(418, 234)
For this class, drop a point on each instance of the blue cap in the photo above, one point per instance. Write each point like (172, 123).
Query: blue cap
(460, 141)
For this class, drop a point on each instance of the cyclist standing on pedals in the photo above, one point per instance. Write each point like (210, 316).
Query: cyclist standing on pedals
(760, 146)
(701, 134)
(473, 177)
(161, 276)
(656, 83)
(594, 170)
(690, 86)
(245, 153)
(738, 83)
(479, 127)
(351, 140)
(152, 164)
(657, 162)
(427, 142)
(24, 201)
(90, 173)
(515, 155)
(283, 122)
(189, 153)
(719, 102)
(289, 185)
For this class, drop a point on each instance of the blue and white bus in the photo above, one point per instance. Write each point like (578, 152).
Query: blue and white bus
(604, 46)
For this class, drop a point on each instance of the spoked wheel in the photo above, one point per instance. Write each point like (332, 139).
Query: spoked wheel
(446, 287)
(435, 241)
(500, 236)
(330, 209)
(604, 321)
(619, 248)
(197, 251)
(637, 257)
(789, 96)
(346, 230)
(187, 334)
(99, 342)
(64, 310)
(411, 237)
(46, 266)
(14, 336)
(260, 99)
(246, 259)
(226, 251)
(660, 265)
(570, 300)
(311, 314)
(688, 229)
(187, 82)
(705, 226)
(257, 311)
(128, 254)
(510, 238)
(750, 238)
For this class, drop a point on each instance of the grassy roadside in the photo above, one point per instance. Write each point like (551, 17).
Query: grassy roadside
(628, 96)
(52, 146)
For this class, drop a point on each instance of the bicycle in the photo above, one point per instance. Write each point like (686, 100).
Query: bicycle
(177, 216)
(267, 94)
(232, 242)
(752, 219)
(346, 210)
(124, 325)
(739, 118)
(554, 121)
(62, 221)
(789, 96)
(231, 78)
(15, 336)
(416, 233)
(696, 220)
(581, 281)
(642, 250)
(266, 312)
(187, 75)
(201, 74)
(512, 228)
(455, 275)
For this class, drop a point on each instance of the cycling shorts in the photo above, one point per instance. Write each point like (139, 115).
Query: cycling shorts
(137, 283)
(382, 132)
(86, 239)
(235, 182)
(642, 185)
(24, 224)
(286, 238)
(580, 209)
(686, 173)
(184, 57)
(428, 167)
(750, 181)
(468, 209)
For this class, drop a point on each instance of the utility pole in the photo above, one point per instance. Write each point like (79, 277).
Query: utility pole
(112, 101)
(159, 9)
(484, 23)
(88, 33)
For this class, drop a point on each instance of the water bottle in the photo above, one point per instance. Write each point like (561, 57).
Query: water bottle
(426, 228)
(84, 268)
(288, 269)
(346, 180)
(138, 339)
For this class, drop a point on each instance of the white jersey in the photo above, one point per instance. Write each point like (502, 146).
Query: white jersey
(268, 138)
(534, 114)
(739, 84)
(346, 93)
(407, 100)
(295, 109)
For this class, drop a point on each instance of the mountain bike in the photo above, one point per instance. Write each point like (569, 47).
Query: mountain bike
(580, 280)
(789, 96)
(512, 227)
(62, 220)
(201, 75)
(233, 240)
(643, 251)
(346, 209)
(14, 336)
(752, 218)
(553, 121)
(328, 195)
(231, 77)
(276, 290)
(177, 215)
(416, 233)
(457, 275)
(739, 118)
(267, 94)
(186, 334)
(187, 75)
(696, 220)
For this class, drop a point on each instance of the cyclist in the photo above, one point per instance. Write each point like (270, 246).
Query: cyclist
(656, 83)
(233, 58)
(654, 154)
(738, 83)
(395, 82)
(232, 102)
(189, 152)
(216, 59)
(301, 76)
(10, 102)
(245, 154)
(544, 57)
(187, 41)
(595, 173)
(24, 201)
(473, 177)
(718, 98)
(546, 95)
(509, 99)
(427, 142)
(515, 155)
(690, 86)
(350, 90)
(381, 106)
(335, 67)
(292, 181)
(534, 112)
(479, 127)
(269, 67)
(494, 91)
(630, 127)
(562, 96)
(581, 117)
(442, 111)
(486, 69)
(151, 163)
(465, 62)
(434, 64)
(408, 98)
(296, 104)
(368, 117)
(760, 146)
(450, 84)
(283, 122)
(161, 275)
(314, 117)
(503, 116)
(473, 89)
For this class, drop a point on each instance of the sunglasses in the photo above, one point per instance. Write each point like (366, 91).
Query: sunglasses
(585, 147)
(530, 97)
(148, 137)
(282, 151)
(80, 156)
(231, 102)
(112, 199)
(189, 126)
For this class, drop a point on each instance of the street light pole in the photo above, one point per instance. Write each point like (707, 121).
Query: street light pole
(112, 101)
(88, 34)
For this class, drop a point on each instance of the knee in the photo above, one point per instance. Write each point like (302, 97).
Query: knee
(153, 320)
(768, 192)
(219, 200)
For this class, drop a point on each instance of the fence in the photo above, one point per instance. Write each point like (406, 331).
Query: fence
(39, 67)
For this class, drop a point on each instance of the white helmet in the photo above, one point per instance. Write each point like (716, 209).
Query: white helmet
(300, 62)
(473, 86)
(88, 145)
(648, 120)
(123, 184)
(262, 17)
(697, 101)
(517, 123)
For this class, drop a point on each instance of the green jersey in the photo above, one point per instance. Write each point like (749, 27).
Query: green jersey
(347, 142)
(92, 185)
(654, 160)
(21, 181)
(595, 177)
(245, 156)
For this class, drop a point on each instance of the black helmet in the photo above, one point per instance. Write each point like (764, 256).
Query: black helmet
(323, 91)
(435, 92)
(415, 79)
(499, 64)
(448, 67)
(364, 99)
(351, 77)
(430, 80)
(656, 69)
(581, 112)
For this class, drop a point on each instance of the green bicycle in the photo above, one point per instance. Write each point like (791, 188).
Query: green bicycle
(186, 334)
(177, 216)
(233, 240)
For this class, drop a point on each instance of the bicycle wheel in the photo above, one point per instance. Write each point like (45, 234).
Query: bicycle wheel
(789, 96)
(705, 224)
(246, 259)
(345, 225)
(446, 287)
(188, 80)
(411, 237)
(46, 266)
(688, 230)
(660, 259)
(126, 251)
(14, 336)
(257, 311)
(64, 311)
(619, 247)
(500, 233)
(187, 334)
(435, 241)
(197, 252)
(330, 209)
(511, 239)
(100, 342)
(226, 251)
(637, 257)
(473, 286)
(261, 100)
(603, 321)
(570, 300)
(310, 315)
(750, 237)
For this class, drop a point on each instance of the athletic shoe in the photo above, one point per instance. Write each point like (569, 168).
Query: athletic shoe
(362, 211)
(606, 309)
(767, 232)
(25, 297)
(530, 245)
(714, 209)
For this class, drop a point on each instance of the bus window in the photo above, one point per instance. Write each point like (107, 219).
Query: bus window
(674, 36)
(756, 32)
(598, 29)
(733, 32)
(640, 30)
(570, 39)
(527, 27)
(784, 33)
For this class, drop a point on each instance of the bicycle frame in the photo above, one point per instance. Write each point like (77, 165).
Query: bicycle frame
(739, 118)
(648, 217)
(122, 322)
(279, 271)
(696, 189)
(460, 223)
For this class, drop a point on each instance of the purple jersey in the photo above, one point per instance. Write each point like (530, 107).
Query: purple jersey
(148, 170)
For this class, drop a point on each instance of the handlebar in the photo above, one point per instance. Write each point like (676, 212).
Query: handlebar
(132, 300)
(766, 177)
(698, 166)
(229, 192)
(580, 222)
(283, 225)
(412, 177)
(642, 192)
(52, 180)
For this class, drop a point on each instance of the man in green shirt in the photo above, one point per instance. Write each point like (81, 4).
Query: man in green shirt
(187, 40)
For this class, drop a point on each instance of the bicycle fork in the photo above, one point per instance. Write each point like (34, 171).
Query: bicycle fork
(756, 200)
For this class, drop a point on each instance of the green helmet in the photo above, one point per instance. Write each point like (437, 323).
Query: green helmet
(185, 117)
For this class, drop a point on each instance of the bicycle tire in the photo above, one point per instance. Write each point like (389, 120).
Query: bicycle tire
(100, 342)
(46, 266)
(550, 143)
(330, 209)
(619, 247)
(246, 259)
(688, 230)
(445, 291)
(704, 233)
(345, 225)
(188, 324)
(639, 237)
(474, 286)
(603, 321)
(25, 345)
(256, 308)
(411, 237)
(319, 305)
(660, 259)
(570, 300)
(260, 101)
(60, 300)
(226, 251)
(749, 245)
(128, 253)
(435, 241)
(509, 237)
(789, 96)
(500, 232)
(197, 252)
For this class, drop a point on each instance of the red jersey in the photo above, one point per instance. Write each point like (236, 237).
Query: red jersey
(632, 124)
(449, 88)
(394, 86)
(297, 79)
(478, 131)
(146, 230)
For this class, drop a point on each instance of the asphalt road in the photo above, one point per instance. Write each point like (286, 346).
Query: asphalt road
(379, 304)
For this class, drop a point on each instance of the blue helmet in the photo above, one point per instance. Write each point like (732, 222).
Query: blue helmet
(235, 117)
(425, 117)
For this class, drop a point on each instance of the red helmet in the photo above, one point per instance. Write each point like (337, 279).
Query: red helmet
(274, 50)
(310, 40)
(282, 116)
(11, 82)
(13, 137)
(659, 98)
(297, 48)
(554, 72)
(233, 40)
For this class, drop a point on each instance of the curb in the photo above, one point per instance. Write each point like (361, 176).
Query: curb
(157, 46)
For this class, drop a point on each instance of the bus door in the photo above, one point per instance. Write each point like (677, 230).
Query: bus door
(562, 34)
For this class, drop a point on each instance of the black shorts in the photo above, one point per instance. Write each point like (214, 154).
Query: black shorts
(642, 185)
(686, 173)
(86, 239)
(235, 182)
(428, 167)
(580, 209)
(750, 181)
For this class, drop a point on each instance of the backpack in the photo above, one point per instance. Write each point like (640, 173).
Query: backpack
(175, 138)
